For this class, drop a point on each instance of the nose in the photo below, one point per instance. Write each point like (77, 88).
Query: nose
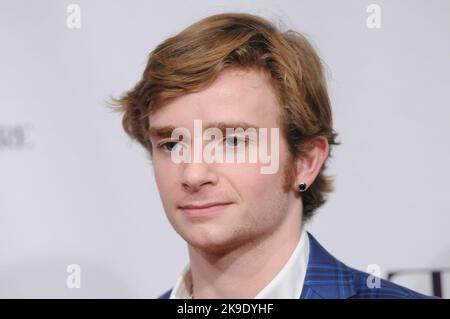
(196, 175)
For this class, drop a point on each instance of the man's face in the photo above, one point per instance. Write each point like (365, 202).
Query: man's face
(257, 204)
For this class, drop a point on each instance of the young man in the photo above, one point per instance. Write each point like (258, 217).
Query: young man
(243, 221)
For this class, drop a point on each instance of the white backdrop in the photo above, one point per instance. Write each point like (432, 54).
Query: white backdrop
(75, 190)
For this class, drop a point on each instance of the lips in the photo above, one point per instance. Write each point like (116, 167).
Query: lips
(201, 206)
(205, 209)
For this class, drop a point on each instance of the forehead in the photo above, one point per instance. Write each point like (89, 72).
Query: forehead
(237, 95)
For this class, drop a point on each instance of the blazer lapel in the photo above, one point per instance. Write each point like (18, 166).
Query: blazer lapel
(326, 277)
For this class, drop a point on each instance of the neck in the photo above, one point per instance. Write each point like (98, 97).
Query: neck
(244, 271)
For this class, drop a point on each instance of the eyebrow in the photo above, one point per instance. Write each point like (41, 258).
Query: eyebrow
(166, 131)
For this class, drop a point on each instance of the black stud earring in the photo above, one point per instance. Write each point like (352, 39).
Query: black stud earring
(302, 187)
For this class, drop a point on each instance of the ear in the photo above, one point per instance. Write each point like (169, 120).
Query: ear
(308, 166)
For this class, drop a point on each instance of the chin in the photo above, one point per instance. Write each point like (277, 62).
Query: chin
(206, 242)
(214, 243)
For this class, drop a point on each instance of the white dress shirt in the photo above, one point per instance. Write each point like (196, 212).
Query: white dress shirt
(287, 284)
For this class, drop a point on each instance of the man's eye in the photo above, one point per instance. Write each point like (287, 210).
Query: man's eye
(168, 146)
(235, 141)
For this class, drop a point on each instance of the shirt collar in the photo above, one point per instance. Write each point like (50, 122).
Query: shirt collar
(288, 283)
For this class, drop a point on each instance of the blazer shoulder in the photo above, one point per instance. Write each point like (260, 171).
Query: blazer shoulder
(371, 287)
(328, 277)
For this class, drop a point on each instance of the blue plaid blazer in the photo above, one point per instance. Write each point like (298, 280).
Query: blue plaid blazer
(328, 278)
